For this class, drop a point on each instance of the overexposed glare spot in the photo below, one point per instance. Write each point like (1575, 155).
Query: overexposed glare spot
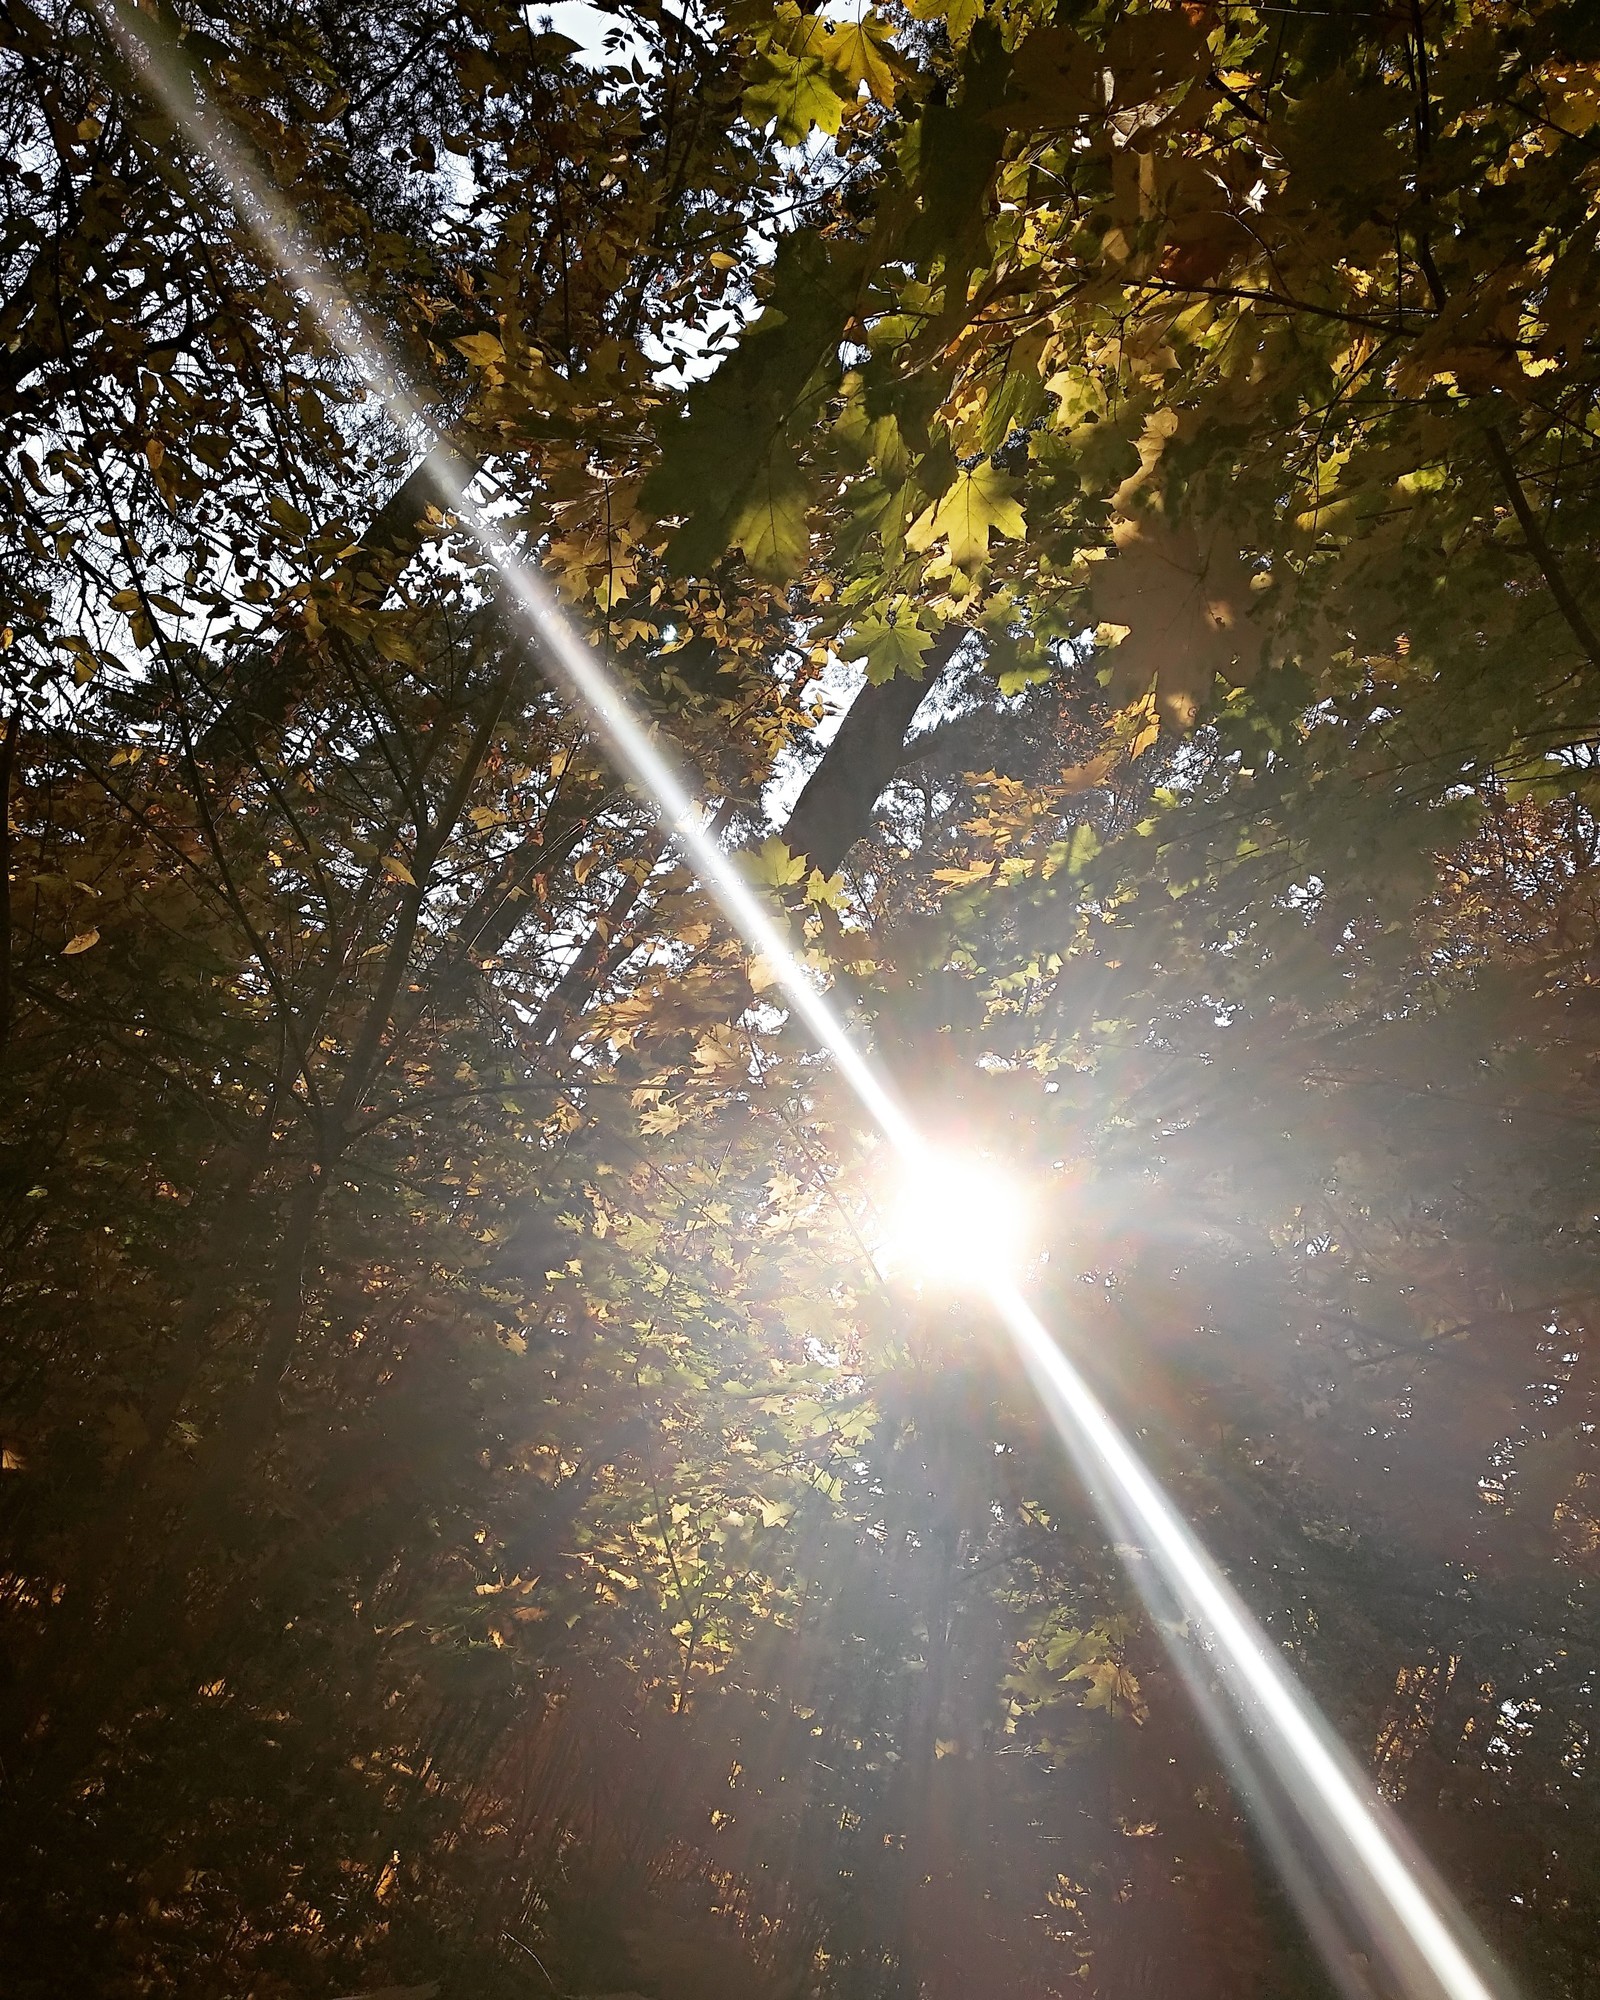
(955, 1221)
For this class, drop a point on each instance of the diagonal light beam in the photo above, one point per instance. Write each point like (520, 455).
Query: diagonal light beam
(1291, 1760)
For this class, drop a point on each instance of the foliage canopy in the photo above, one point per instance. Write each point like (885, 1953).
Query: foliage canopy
(473, 1511)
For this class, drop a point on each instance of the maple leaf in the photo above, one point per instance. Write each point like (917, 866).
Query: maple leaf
(795, 95)
(1180, 605)
(1111, 1687)
(1053, 80)
(980, 504)
(1075, 853)
(958, 16)
(889, 647)
(660, 1120)
(771, 525)
(727, 461)
(718, 1051)
(853, 48)
(773, 866)
(827, 890)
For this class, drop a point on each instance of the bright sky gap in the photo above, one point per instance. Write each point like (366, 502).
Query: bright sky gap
(1425, 1944)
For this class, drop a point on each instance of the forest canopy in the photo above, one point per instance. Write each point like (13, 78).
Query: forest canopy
(1103, 498)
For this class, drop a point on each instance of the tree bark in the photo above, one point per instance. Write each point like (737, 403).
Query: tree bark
(8, 758)
(835, 808)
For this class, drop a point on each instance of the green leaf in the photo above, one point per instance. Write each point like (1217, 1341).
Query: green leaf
(771, 525)
(795, 95)
(731, 443)
(889, 647)
(1081, 849)
(879, 508)
(954, 153)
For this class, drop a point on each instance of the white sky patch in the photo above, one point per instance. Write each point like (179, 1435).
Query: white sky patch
(605, 40)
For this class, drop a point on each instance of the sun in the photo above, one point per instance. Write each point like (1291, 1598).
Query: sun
(955, 1221)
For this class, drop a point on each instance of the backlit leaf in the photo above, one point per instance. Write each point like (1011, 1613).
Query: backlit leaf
(981, 503)
(773, 866)
(795, 95)
(889, 647)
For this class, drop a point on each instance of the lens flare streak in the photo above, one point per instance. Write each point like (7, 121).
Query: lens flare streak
(1406, 1915)
(1426, 1945)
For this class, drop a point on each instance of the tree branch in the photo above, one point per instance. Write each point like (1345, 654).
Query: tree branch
(1539, 546)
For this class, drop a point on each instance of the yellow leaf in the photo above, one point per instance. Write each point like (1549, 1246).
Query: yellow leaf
(84, 941)
(957, 15)
(1182, 604)
(773, 866)
(825, 889)
(712, 1053)
(481, 349)
(393, 865)
(854, 49)
(1084, 777)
